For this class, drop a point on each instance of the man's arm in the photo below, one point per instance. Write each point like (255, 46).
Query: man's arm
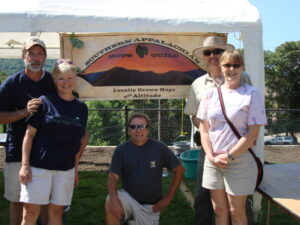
(13, 116)
(114, 203)
(176, 180)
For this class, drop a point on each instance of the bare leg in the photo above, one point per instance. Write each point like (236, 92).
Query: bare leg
(237, 206)
(110, 219)
(30, 213)
(55, 213)
(15, 213)
(220, 205)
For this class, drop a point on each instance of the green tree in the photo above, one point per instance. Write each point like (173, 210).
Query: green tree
(283, 76)
(282, 69)
(106, 127)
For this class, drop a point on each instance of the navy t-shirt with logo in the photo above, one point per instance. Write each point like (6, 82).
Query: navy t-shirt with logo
(140, 168)
(60, 126)
(15, 92)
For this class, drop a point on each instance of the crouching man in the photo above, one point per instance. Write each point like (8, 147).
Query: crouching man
(139, 163)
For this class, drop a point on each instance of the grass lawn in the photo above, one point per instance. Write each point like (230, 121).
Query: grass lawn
(88, 204)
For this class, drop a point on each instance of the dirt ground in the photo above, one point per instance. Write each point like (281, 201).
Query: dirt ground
(99, 158)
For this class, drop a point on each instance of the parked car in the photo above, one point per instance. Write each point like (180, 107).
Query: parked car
(282, 140)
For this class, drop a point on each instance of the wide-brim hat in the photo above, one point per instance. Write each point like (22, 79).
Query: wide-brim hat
(30, 42)
(210, 43)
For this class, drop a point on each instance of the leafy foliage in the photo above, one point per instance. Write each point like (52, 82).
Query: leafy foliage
(3, 76)
(107, 119)
(105, 127)
(76, 43)
(283, 76)
(282, 69)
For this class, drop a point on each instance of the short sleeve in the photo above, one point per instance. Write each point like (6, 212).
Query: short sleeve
(116, 162)
(257, 112)
(171, 161)
(35, 119)
(202, 111)
(85, 111)
(192, 103)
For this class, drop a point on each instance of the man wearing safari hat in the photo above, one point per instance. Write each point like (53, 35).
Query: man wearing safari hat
(19, 98)
(209, 54)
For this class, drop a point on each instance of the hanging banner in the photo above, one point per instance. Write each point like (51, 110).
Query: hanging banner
(134, 65)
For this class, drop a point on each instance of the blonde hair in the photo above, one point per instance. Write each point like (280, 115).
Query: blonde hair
(63, 66)
(232, 55)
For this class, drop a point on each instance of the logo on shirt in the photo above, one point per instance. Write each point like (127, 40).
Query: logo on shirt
(152, 164)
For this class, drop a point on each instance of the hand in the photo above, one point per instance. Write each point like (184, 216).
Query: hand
(33, 105)
(221, 161)
(25, 175)
(116, 207)
(161, 204)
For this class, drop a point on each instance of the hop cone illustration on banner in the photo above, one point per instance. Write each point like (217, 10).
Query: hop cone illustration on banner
(141, 51)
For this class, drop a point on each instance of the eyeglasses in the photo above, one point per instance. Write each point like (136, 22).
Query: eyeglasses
(60, 61)
(138, 126)
(216, 51)
(228, 66)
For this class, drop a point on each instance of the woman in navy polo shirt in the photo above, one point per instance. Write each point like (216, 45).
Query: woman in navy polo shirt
(54, 141)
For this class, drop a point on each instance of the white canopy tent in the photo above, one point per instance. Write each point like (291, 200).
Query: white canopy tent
(143, 16)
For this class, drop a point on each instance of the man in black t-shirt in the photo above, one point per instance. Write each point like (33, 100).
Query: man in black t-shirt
(19, 98)
(139, 164)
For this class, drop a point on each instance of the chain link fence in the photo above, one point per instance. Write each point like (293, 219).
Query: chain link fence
(108, 127)
(283, 122)
(167, 125)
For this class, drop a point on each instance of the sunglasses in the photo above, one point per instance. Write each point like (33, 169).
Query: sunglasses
(228, 66)
(216, 51)
(138, 126)
(60, 61)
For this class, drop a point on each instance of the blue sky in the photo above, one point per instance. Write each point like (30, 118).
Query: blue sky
(281, 22)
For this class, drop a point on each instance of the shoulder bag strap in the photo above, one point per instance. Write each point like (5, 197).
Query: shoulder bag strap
(237, 134)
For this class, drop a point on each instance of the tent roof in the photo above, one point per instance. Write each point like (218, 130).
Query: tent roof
(127, 16)
(142, 16)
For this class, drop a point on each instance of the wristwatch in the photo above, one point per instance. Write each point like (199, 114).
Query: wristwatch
(230, 156)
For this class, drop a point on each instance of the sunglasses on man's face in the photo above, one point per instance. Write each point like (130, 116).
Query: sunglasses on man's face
(228, 66)
(138, 126)
(216, 51)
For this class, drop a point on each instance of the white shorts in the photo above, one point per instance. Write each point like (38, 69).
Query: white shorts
(49, 186)
(12, 186)
(239, 178)
(136, 213)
